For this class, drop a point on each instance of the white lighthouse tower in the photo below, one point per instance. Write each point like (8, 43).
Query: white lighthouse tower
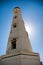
(18, 38)
(19, 50)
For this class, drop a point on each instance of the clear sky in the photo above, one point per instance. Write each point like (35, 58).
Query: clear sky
(32, 14)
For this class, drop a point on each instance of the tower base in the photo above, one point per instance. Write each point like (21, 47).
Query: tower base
(21, 58)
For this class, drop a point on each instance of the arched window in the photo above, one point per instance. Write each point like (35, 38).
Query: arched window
(13, 43)
(15, 17)
(14, 25)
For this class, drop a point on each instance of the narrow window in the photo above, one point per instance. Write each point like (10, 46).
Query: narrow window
(15, 17)
(13, 43)
(14, 25)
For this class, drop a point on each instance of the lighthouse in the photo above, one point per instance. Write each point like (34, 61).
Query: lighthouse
(18, 38)
(19, 49)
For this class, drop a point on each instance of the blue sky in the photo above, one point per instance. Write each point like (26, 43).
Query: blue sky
(32, 14)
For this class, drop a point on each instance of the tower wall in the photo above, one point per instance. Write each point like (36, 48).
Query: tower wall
(19, 32)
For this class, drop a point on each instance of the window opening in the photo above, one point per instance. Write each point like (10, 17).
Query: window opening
(15, 17)
(14, 43)
(14, 25)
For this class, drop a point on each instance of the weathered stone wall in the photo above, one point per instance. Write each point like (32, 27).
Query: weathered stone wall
(21, 59)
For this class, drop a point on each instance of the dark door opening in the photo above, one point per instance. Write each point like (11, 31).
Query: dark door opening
(14, 43)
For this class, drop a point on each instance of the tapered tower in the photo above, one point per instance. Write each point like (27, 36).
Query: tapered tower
(18, 38)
